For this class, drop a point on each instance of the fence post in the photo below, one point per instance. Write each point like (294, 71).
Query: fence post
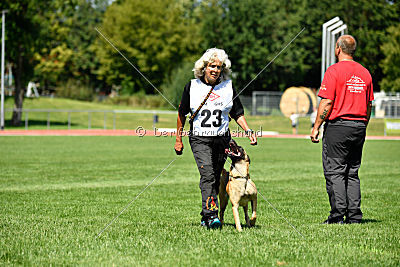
(69, 120)
(26, 120)
(105, 117)
(48, 120)
(384, 127)
(264, 105)
(297, 112)
(114, 118)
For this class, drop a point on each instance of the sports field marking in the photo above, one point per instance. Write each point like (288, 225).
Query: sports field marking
(121, 132)
(116, 49)
(133, 200)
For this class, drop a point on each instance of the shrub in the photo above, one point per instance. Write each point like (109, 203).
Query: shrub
(138, 100)
(75, 89)
(173, 87)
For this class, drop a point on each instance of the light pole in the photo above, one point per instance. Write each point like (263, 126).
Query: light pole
(3, 22)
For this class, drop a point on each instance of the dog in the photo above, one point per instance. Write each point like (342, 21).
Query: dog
(237, 186)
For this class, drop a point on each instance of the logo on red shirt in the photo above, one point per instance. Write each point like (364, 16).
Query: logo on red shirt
(355, 85)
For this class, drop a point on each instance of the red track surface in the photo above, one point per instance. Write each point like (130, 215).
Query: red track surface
(138, 133)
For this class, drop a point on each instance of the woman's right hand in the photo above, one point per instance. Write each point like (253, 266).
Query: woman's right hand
(178, 147)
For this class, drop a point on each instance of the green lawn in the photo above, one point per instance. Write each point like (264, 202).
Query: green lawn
(58, 193)
(80, 120)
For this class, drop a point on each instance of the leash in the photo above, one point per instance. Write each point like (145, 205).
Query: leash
(277, 211)
(201, 105)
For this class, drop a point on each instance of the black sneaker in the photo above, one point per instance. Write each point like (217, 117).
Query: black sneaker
(214, 223)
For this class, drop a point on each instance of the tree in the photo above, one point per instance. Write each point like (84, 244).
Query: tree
(23, 31)
(53, 38)
(55, 64)
(173, 87)
(252, 33)
(69, 54)
(391, 63)
(156, 36)
(366, 21)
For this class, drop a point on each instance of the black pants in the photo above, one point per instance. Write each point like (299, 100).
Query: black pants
(209, 153)
(341, 157)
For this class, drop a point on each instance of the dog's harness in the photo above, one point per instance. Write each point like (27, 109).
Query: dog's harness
(240, 177)
(247, 177)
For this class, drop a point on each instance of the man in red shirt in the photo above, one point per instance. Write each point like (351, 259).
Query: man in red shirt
(347, 95)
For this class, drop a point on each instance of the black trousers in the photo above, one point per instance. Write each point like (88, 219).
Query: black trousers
(341, 157)
(209, 153)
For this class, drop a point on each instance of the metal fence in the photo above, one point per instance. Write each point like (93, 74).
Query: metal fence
(246, 102)
(262, 103)
(266, 103)
(106, 113)
(386, 105)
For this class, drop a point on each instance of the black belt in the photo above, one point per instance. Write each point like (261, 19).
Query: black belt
(346, 120)
(338, 119)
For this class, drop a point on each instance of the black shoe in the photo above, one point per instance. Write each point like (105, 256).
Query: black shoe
(333, 221)
(352, 221)
(204, 220)
(214, 223)
(211, 222)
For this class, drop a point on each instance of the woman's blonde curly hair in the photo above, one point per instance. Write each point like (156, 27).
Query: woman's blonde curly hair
(208, 57)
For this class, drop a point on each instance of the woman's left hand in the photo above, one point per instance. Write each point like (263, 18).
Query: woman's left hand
(253, 139)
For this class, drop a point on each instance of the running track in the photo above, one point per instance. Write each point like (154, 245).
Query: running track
(140, 133)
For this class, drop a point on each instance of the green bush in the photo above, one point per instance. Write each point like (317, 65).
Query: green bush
(75, 89)
(173, 86)
(127, 86)
(138, 100)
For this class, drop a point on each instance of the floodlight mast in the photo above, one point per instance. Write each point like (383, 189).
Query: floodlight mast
(3, 22)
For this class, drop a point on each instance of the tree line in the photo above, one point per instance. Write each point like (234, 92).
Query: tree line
(54, 42)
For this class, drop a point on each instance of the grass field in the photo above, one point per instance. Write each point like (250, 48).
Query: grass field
(58, 193)
(79, 120)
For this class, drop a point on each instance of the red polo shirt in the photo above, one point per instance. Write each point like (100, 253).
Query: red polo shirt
(350, 87)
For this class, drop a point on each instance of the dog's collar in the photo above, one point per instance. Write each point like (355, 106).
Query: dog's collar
(240, 177)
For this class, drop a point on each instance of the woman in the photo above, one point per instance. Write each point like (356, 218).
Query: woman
(211, 100)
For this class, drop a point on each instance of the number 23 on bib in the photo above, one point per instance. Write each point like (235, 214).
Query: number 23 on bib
(213, 117)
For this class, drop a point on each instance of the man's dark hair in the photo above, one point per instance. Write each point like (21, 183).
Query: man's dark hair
(348, 44)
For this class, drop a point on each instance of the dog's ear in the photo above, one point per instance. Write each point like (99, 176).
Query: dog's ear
(248, 157)
(233, 142)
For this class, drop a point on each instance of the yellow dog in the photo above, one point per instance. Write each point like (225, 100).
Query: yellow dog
(237, 185)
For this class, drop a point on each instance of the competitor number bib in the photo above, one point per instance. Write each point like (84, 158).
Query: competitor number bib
(213, 117)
